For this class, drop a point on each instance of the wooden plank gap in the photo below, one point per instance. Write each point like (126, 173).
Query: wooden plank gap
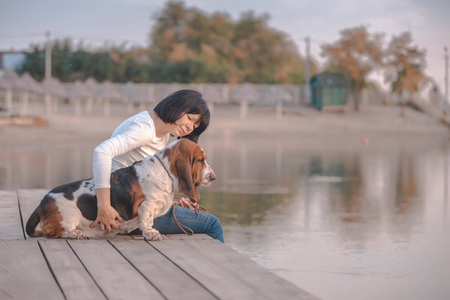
(21, 217)
(148, 280)
(179, 267)
(84, 266)
(51, 270)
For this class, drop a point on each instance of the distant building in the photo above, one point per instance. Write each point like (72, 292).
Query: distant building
(11, 60)
(329, 90)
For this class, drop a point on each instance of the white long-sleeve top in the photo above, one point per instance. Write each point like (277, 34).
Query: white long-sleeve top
(132, 141)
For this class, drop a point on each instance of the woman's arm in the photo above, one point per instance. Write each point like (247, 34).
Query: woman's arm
(127, 140)
(106, 214)
(185, 203)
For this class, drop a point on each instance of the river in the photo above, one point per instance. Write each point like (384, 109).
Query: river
(341, 218)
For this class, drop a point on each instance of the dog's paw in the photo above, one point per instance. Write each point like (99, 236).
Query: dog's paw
(74, 234)
(152, 235)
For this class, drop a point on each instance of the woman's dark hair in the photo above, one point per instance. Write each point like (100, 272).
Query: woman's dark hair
(184, 102)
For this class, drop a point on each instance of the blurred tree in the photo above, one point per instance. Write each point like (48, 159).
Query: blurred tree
(263, 54)
(100, 66)
(187, 45)
(34, 63)
(355, 54)
(211, 48)
(62, 60)
(405, 65)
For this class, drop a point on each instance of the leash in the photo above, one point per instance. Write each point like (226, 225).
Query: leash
(197, 212)
(182, 227)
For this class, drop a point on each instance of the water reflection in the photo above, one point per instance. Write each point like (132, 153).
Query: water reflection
(44, 166)
(341, 220)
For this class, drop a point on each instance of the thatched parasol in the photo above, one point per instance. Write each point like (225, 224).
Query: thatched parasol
(31, 84)
(107, 90)
(79, 90)
(53, 86)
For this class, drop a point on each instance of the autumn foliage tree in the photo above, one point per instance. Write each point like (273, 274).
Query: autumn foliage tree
(355, 54)
(216, 48)
(405, 65)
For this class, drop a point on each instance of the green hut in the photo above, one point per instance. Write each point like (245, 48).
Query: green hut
(329, 90)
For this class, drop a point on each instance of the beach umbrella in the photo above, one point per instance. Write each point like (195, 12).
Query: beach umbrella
(283, 95)
(173, 87)
(33, 87)
(127, 93)
(76, 92)
(91, 84)
(137, 93)
(245, 94)
(31, 84)
(4, 84)
(79, 90)
(280, 95)
(20, 86)
(15, 81)
(53, 89)
(6, 87)
(127, 90)
(212, 95)
(107, 92)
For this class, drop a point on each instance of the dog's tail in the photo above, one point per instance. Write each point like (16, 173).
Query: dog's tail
(33, 221)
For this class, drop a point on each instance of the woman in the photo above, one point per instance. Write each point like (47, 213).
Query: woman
(181, 114)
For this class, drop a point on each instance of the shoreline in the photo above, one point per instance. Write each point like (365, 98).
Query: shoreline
(376, 122)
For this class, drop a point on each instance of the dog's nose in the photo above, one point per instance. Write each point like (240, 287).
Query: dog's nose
(212, 176)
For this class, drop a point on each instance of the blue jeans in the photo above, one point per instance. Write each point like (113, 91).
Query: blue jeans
(201, 223)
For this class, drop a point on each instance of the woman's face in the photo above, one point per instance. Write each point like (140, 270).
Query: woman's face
(185, 125)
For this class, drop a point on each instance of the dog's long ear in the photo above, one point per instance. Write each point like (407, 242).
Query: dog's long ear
(185, 179)
(182, 159)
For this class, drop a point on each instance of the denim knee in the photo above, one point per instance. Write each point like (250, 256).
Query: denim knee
(215, 229)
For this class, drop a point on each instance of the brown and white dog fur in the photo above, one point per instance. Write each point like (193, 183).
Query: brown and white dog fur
(139, 193)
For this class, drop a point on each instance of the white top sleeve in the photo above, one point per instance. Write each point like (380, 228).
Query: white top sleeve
(133, 140)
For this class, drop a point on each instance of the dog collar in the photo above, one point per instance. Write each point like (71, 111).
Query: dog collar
(168, 174)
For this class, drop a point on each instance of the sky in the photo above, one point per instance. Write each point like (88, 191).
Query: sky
(99, 22)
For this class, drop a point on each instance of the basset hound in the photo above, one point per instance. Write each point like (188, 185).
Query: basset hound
(139, 193)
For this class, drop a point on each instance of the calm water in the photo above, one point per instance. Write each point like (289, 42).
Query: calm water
(339, 219)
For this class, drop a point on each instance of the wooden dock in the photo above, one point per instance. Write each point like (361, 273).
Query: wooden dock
(124, 267)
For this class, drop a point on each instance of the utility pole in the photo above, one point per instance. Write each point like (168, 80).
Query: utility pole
(446, 79)
(307, 70)
(48, 57)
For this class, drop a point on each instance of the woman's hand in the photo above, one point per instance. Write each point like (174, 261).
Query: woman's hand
(106, 214)
(183, 202)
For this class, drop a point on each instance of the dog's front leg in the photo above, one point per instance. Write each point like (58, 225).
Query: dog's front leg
(146, 213)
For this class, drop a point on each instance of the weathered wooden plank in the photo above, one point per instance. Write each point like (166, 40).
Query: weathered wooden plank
(185, 237)
(24, 274)
(10, 223)
(178, 237)
(28, 201)
(213, 276)
(248, 271)
(115, 276)
(173, 282)
(73, 278)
